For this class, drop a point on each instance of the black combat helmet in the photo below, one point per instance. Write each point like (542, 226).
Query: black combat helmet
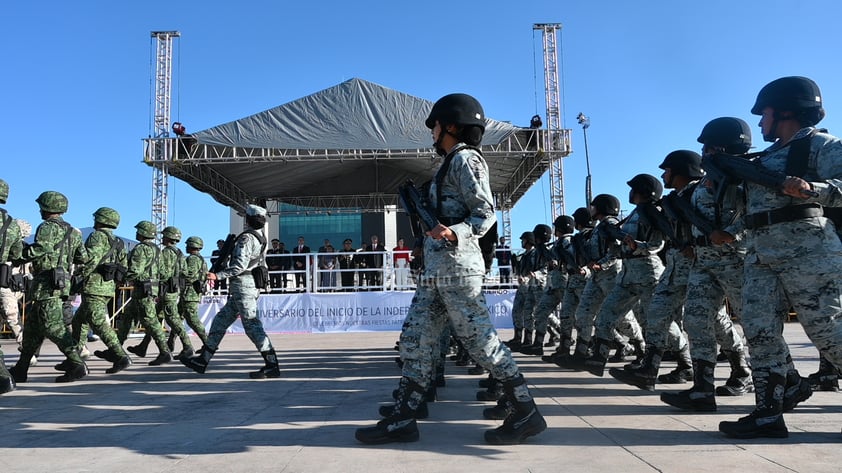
(527, 237)
(456, 109)
(647, 185)
(684, 163)
(542, 233)
(606, 204)
(566, 224)
(582, 217)
(730, 133)
(792, 93)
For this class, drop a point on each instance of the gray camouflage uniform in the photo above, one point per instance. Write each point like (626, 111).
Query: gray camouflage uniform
(452, 276)
(799, 260)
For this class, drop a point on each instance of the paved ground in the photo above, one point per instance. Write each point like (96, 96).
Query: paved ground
(167, 418)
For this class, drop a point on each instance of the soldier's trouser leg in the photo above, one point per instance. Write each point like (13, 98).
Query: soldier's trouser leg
(705, 297)
(94, 311)
(517, 308)
(7, 383)
(590, 303)
(190, 312)
(176, 323)
(254, 328)
(152, 324)
(763, 319)
(546, 305)
(421, 335)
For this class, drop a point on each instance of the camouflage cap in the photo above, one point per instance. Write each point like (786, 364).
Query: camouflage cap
(173, 233)
(4, 191)
(145, 229)
(107, 216)
(195, 242)
(52, 202)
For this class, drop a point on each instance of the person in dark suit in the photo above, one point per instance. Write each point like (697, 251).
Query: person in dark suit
(299, 263)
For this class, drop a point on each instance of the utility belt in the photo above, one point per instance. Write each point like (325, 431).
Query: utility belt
(631, 256)
(783, 214)
(146, 288)
(8, 280)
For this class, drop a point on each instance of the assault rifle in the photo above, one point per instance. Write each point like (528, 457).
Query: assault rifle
(726, 169)
(652, 216)
(680, 209)
(569, 259)
(221, 261)
(419, 210)
(613, 230)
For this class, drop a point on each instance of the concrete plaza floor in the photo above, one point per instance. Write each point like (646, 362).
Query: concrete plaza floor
(167, 418)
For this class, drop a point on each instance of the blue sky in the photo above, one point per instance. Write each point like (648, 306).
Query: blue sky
(77, 75)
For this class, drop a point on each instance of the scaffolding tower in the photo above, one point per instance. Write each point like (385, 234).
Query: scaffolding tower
(162, 42)
(553, 99)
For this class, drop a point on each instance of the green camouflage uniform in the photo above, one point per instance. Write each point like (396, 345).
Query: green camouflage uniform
(170, 271)
(195, 272)
(45, 319)
(143, 270)
(97, 293)
(11, 247)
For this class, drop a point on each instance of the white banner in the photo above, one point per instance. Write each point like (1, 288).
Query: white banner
(344, 312)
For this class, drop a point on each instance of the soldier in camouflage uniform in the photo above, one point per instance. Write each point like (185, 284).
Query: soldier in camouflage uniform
(107, 267)
(642, 240)
(170, 274)
(56, 248)
(794, 251)
(248, 255)
(682, 170)
(11, 247)
(716, 275)
(453, 274)
(604, 264)
(538, 266)
(521, 268)
(556, 285)
(195, 279)
(143, 271)
(577, 278)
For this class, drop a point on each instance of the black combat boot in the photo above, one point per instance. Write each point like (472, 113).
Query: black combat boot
(186, 352)
(171, 342)
(75, 370)
(595, 365)
(20, 371)
(199, 363)
(516, 341)
(701, 396)
(119, 365)
(643, 376)
(499, 411)
(107, 355)
(739, 382)
(270, 369)
(162, 358)
(683, 371)
(562, 351)
(537, 346)
(7, 382)
(486, 382)
(523, 419)
(439, 380)
(620, 351)
(399, 425)
(577, 361)
(493, 393)
(767, 419)
(826, 378)
(797, 390)
(527, 340)
(140, 348)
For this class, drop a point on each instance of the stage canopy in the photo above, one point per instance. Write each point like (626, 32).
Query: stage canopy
(346, 147)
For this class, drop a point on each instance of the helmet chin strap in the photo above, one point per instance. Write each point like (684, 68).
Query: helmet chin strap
(438, 146)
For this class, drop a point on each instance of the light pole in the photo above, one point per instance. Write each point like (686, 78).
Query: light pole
(586, 122)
